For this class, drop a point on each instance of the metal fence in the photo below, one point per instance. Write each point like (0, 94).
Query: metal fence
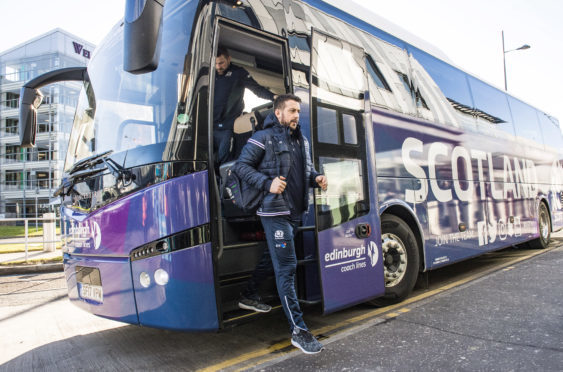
(48, 239)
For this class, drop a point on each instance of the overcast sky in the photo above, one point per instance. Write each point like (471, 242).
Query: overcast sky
(469, 32)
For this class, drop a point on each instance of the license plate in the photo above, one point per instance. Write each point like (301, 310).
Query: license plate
(91, 292)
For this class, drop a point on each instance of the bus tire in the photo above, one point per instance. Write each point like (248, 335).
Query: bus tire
(400, 260)
(544, 227)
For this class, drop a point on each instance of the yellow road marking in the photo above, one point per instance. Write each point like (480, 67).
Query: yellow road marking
(348, 323)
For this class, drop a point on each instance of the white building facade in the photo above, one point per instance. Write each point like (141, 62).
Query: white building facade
(29, 176)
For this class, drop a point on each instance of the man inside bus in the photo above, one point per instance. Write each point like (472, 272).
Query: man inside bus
(277, 160)
(228, 102)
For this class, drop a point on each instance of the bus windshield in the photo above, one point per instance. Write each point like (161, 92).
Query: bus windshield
(120, 111)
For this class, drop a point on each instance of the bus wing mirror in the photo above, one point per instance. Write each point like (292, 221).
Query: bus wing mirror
(29, 102)
(142, 34)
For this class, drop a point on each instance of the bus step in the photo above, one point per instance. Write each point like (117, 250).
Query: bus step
(306, 261)
(232, 279)
(242, 245)
(309, 302)
(236, 316)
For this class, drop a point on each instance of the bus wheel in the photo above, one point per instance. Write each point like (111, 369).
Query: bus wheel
(544, 226)
(400, 260)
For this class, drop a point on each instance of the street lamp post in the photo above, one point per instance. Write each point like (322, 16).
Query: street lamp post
(504, 51)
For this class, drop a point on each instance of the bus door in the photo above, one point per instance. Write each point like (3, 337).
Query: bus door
(347, 219)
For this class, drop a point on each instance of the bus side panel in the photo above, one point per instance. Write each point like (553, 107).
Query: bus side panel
(118, 300)
(140, 218)
(187, 300)
(347, 259)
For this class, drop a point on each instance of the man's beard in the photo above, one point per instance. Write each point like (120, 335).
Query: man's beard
(288, 123)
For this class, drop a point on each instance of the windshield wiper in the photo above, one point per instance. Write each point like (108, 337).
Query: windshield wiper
(90, 162)
(82, 169)
(119, 171)
(67, 184)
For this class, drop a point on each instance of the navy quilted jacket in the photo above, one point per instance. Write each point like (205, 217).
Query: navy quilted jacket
(266, 156)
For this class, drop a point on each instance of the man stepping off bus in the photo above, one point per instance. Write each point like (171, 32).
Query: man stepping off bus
(277, 160)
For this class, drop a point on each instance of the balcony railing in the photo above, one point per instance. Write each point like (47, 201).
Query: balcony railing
(10, 104)
(32, 186)
(29, 156)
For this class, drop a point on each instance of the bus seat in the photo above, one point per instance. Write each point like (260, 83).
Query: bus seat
(261, 115)
(243, 128)
(245, 123)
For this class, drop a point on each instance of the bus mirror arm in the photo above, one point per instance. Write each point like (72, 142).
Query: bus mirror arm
(31, 97)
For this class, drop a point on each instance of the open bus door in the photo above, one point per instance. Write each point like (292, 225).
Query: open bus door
(347, 219)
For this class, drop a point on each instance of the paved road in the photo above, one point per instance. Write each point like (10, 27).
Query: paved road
(507, 320)
(511, 320)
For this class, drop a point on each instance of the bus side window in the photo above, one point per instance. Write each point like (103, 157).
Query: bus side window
(346, 198)
(376, 78)
(525, 121)
(327, 122)
(551, 132)
(445, 89)
(491, 107)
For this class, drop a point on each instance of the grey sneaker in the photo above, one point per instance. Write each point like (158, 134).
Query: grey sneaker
(249, 304)
(305, 341)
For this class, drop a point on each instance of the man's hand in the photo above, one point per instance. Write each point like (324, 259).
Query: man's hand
(322, 182)
(278, 185)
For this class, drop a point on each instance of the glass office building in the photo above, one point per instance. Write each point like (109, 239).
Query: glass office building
(28, 177)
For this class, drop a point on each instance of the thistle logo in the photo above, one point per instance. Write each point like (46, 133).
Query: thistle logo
(96, 234)
(278, 235)
(373, 253)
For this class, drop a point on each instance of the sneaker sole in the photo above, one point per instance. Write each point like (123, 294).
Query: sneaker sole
(303, 350)
(247, 307)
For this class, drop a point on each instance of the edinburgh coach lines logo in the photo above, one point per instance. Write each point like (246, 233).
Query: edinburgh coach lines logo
(88, 235)
(96, 234)
(373, 254)
(349, 259)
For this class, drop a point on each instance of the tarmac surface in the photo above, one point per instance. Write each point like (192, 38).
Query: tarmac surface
(509, 319)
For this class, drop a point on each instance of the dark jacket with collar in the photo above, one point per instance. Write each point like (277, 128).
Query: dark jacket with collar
(266, 156)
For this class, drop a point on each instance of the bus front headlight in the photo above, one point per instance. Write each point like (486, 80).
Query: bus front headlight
(145, 279)
(161, 277)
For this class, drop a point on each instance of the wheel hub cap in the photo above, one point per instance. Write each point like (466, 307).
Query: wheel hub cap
(395, 259)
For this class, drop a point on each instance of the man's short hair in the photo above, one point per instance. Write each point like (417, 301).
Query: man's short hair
(222, 51)
(279, 102)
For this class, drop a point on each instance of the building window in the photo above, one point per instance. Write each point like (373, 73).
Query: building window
(13, 153)
(14, 180)
(12, 100)
(11, 126)
(44, 122)
(42, 179)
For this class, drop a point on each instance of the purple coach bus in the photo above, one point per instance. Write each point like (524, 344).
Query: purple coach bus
(427, 164)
